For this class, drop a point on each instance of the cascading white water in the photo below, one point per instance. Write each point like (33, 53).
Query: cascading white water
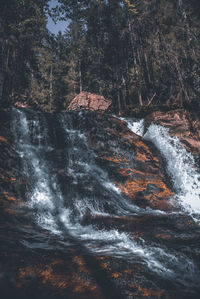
(136, 126)
(90, 192)
(44, 191)
(180, 164)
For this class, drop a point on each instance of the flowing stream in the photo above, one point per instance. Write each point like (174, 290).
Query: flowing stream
(180, 165)
(66, 187)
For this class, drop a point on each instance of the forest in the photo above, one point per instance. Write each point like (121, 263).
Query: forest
(100, 149)
(142, 53)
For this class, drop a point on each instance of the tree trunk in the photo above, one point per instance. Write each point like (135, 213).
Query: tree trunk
(134, 52)
(124, 92)
(140, 97)
(80, 76)
(1, 87)
(51, 86)
(147, 66)
(119, 101)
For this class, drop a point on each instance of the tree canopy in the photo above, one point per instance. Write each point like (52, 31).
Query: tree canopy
(137, 53)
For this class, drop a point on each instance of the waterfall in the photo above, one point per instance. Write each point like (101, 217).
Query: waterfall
(66, 186)
(31, 143)
(136, 125)
(180, 165)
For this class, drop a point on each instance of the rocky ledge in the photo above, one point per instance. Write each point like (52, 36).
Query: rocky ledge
(135, 166)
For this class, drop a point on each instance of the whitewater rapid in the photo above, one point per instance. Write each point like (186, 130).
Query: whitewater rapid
(61, 214)
(180, 165)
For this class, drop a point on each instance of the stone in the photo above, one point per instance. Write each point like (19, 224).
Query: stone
(35, 262)
(89, 101)
(135, 165)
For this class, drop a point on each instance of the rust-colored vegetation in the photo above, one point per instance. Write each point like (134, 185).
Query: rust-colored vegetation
(144, 292)
(142, 182)
(3, 139)
(138, 170)
(63, 276)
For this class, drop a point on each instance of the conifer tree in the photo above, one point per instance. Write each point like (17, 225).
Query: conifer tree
(22, 29)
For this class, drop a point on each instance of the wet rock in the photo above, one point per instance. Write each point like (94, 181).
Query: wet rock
(35, 263)
(89, 101)
(134, 165)
(11, 178)
(183, 124)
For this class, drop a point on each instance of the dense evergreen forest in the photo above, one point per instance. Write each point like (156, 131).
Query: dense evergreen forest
(140, 53)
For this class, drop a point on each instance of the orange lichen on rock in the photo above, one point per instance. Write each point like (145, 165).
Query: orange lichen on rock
(160, 191)
(101, 257)
(126, 171)
(116, 275)
(115, 159)
(142, 157)
(104, 265)
(131, 187)
(144, 180)
(128, 136)
(163, 236)
(4, 178)
(3, 139)
(50, 275)
(9, 201)
(141, 144)
(146, 155)
(81, 264)
(45, 273)
(128, 271)
(9, 197)
(144, 292)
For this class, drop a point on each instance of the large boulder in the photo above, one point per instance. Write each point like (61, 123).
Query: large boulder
(89, 101)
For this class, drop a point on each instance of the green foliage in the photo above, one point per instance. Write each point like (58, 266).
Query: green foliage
(23, 25)
(134, 52)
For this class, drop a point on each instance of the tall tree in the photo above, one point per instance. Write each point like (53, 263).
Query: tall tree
(23, 24)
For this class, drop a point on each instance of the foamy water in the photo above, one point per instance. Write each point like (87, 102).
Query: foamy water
(59, 216)
(180, 164)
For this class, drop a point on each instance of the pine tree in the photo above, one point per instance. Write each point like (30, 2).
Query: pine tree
(22, 29)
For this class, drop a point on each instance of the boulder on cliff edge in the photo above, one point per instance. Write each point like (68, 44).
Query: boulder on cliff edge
(89, 101)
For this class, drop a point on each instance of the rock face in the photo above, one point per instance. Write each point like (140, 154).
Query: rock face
(11, 179)
(135, 166)
(89, 101)
(91, 162)
(182, 125)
